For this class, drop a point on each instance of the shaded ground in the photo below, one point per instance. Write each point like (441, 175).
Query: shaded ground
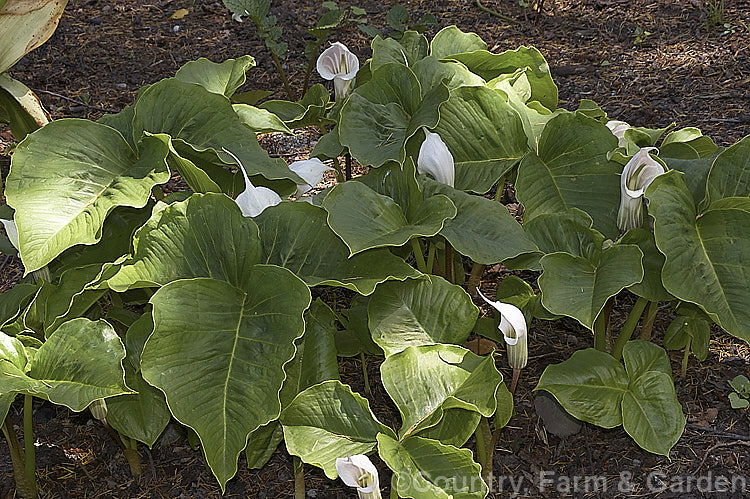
(682, 72)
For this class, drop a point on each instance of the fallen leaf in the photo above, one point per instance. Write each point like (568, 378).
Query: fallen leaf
(179, 14)
(481, 346)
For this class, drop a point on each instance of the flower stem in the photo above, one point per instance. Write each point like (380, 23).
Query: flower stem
(394, 492)
(648, 323)
(310, 64)
(685, 358)
(368, 390)
(601, 325)
(500, 189)
(431, 257)
(277, 62)
(485, 452)
(627, 329)
(299, 478)
(418, 255)
(475, 278)
(514, 381)
(28, 441)
(449, 271)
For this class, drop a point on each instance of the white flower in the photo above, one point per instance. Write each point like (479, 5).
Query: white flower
(515, 332)
(618, 129)
(435, 158)
(339, 64)
(358, 471)
(253, 200)
(637, 175)
(311, 171)
(11, 230)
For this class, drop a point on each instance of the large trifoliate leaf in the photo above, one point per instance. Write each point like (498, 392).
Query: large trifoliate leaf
(579, 287)
(328, 421)
(451, 40)
(594, 387)
(364, 219)
(26, 25)
(426, 469)
(730, 174)
(296, 236)
(218, 351)
(420, 312)
(142, 416)
(571, 170)
(203, 236)
(81, 362)
(424, 381)
(490, 66)
(707, 255)
(381, 115)
(482, 229)
(201, 124)
(484, 134)
(222, 78)
(68, 176)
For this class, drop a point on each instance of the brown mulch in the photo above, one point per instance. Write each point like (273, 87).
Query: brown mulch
(682, 72)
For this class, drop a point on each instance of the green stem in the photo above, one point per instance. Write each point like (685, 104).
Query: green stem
(484, 451)
(449, 271)
(368, 390)
(648, 323)
(277, 62)
(685, 358)
(394, 493)
(627, 329)
(132, 455)
(475, 278)
(348, 172)
(310, 64)
(28, 441)
(24, 488)
(496, 13)
(339, 170)
(41, 274)
(601, 325)
(299, 478)
(500, 189)
(431, 257)
(418, 255)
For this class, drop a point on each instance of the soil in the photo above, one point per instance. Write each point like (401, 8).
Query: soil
(649, 63)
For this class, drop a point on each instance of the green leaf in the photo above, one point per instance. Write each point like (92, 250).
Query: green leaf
(222, 78)
(431, 470)
(381, 115)
(201, 124)
(356, 338)
(328, 421)
(25, 27)
(262, 443)
(505, 407)
(420, 312)
(482, 229)
(81, 362)
(260, 120)
(730, 173)
(13, 301)
(707, 257)
(22, 109)
(184, 240)
(411, 48)
(651, 288)
(431, 72)
(7, 398)
(651, 413)
(296, 236)
(579, 287)
(490, 66)
(590, 385)
(364, 219)
(484, 134)
(424, 381)
(310, 110)
(695, 170)
(217, 352)
(142, 416)
(256, 9)
(571, 170)
(451, 40)
(68, 176)
(643, 356)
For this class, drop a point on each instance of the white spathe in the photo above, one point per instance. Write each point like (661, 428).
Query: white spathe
(515, 332)
(311, 171)
(339, 64)
(358, 471)
(253, 200)
(618, 129)
(436, 159)
(637, 175)
(11, 230)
